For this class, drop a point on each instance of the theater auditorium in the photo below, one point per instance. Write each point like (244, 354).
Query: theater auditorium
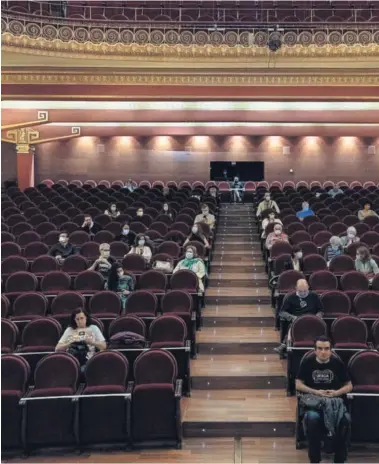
(190, 231)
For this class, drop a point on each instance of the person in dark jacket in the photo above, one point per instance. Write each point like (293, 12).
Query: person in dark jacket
(61, 250)
(326, 377)
(295, 263)
(297, 304)
(89, 226)
(197, 236)
(127, 236)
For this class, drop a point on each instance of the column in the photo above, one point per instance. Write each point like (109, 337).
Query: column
(25, 166)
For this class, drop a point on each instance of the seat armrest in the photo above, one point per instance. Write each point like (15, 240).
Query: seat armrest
(178, 388)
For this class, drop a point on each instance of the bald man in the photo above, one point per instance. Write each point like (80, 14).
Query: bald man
(297, 304)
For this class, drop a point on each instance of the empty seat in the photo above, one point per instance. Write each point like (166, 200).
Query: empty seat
(354, 282)
(79, 237)
(34, 249)
(308, 248)
(28, 306)
(171, 248)
(28, 237)
(64, 304)
(280, 248)
(341, 264)
(21, 282)
(313, 263)
(55, 281)
(370, 239)
(321, 238)
(51, 238)
(366, 305)
(305, 329)
(9, 335)
(14, 378)
(300, 236)
(105, 304)
(13, 264)
(7, 237)
(154, 281)
(37, 219)
(323, 281)
(364, 372)
(56, 375)
(20, 228)
(337, 228)
(119, 250)
(141, 303)
(349, 332)
(89, 282)
(155, 401)
(335, 304)
(103, 236)
(168, 331)
(10, 249)
(5, 306)
(185, 280)
(40, 335)
(375, 334)
(106, 374)
(69, 227)
(90, 250)
(128, 323)
(43, 264)
(74, 264)
(134, 263)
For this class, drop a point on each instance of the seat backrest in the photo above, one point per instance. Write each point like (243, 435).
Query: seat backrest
(168, 328)
(105, 302)
(155, 367)
(341, 263)
(307, 328)
(354, 280)
(134, 263)
(170, 248)
(184, 279)
(41, 332)
(127, 324)
(280, 248)
(153, 279)
(57, 370)
(366, 304)
(141, 301)
(349, 329)
(287, 280)
(30, 303)
(21, 282)
(323, 280)
(74, 264)
(177, 301)
(314, 263)
(67, 302)
(107, 368)
(89, 280)
(5, 305)
(363, 369)
(13, 264)
(334, 302)
(15, 372)
(9, 335)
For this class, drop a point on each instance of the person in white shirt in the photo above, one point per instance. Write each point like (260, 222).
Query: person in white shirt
(141, 248)
(81, 329)
(267, 203)
(205, 217)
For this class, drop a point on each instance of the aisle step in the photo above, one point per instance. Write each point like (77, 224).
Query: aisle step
(237, 295)
(250, 413)
(238, 315)
(227, 265)
(237, 279)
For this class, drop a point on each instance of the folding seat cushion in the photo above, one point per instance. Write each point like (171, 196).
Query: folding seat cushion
(55, 281)
(305, 329)
(321, 238)
(154, 400)
(181, 227)
(89, 282)
(9, 335)
(364, 372)
(41, 334)
(335, 304)
(322, 281)
(64, 304)
(280, 248)
(313, 263)
(79, 238)
(142, 303)
(14, 378)
(154, 281)
(366, 305)
(28, 237)
(167, 331)
(28, 306)
(13, 264)
(349, 332)
(74, 264)
(341, 264)
(134, 263)
(105, 304)
(50, 422)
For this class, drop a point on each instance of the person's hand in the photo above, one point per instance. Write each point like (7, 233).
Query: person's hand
(89, 339)
(319, 314)
(322, 393)
(331, 393)
(84, 224)
(125, 292)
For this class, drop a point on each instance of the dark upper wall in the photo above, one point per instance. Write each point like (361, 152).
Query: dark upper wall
(187, 158)
(8, 161)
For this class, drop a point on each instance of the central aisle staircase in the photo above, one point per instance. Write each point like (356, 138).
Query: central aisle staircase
(238, 382)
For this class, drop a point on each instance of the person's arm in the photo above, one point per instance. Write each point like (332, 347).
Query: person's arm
(147, 253)
(360, 215)
(52, 250)
(64, 343)
(269, 242)
(276, 207)
(205, 241)
(200, 270)
(302, 388)
(347, 388)
(319, 307)
(98, 340)
(94, 266)
(259, 209)
(177, 267)
(375, 268)
(187, 240)
(212, 221)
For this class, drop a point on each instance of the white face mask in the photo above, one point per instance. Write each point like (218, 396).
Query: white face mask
(195, 230)
(205, 212)
(299, 254)
(106, 253)
(277, 232)
(351, 235)
(62, 240)
(267, 198)
(139, 213)
(303, 293)
(165, 207)
(189, 255)
(125, 231)
(141, 243)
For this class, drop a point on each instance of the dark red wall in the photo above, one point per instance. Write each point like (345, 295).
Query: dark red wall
(8, 161)
(187, 158)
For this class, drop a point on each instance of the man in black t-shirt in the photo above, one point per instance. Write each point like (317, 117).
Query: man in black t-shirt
(326, 376)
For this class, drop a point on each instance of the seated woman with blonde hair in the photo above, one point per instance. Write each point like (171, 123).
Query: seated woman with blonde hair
(192, 263)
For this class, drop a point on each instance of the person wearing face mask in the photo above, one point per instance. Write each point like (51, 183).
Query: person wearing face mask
(335, 191)
(213, 193)
(127, 236)
(141, 248)
(197, 235)
(297, 304)
(121, 283)
(236, 190)
(112, 211)
(295, 263)
(139, 213)
(61, 250)
(366, 211)
(334, 249)
(194, 264)
(269, 219)
(167, 193)
(166, 210)
(350, 237)
(205, 217)
(276, 236)
(305, 211)
(129, 186)
(365, 264)
(267, 203)
(105, 261)
(89, 226)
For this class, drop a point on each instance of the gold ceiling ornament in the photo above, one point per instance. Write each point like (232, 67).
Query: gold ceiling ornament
(75, 132)
(25, 137)
(42, 118)
(179, 52)
(180, 78)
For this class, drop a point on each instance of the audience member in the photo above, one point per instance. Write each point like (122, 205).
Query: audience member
(112, 211)
(324, 377)
(61, 250)
(141, 248)
(214, 193)
(197, 235)
(89, 226)
(305, 211)
(139, 213)
(129, 185)
(297, 304)
(269, 219)
(119, 282)
(236, 190)
(276, 236)
(350, 237)
(167, 210)
(81, 333)
(205, 217)
(167, 193)
(105, 261)
(295, 263)
(366, 211)
(127, 236)
(334, 249)
(335, 191)
(194, 264)
(365, 264)
(267, 203)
